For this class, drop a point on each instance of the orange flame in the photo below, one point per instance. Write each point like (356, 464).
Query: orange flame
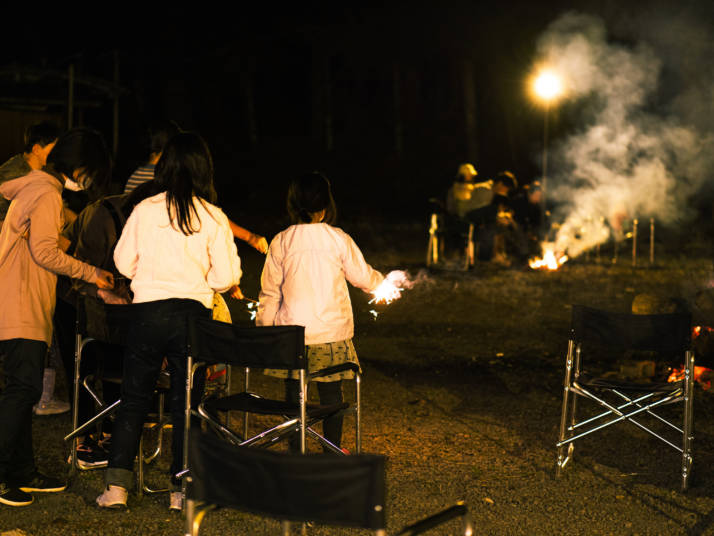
(699, 372)
(549, 261)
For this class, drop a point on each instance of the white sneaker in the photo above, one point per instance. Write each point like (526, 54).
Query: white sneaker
(51, 407)
(113, 497)
(176, 501)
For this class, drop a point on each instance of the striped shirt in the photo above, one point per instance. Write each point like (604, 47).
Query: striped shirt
(140, 176)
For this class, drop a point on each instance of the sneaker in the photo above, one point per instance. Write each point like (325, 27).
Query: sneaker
(91, 456)
(176, 501)
(113, 497)
(51, 407)
(42, 484)
(14, 496)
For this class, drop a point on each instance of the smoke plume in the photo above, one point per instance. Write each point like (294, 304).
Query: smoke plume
(640, 151)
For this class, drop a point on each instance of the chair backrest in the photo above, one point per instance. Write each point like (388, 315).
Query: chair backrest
(662, 333)
(103, 322)
(334, 490)
(276, 347)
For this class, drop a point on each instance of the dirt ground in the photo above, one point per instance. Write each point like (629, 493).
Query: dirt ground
(462, 391)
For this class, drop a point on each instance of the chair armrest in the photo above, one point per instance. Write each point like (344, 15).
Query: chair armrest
(333, 370)
(458, 510)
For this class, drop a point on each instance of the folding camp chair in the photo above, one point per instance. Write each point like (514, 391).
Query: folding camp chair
(321, 488)
(107, 325)
(275, 347)
(666, 338)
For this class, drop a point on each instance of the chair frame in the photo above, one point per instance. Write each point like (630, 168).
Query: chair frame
(199, 355)
(632, 406)
(162, 421)
(275, 499)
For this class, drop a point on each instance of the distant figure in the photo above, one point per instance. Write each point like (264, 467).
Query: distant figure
(159, 134)
(495, 223)
(466, 194)
(528, 213)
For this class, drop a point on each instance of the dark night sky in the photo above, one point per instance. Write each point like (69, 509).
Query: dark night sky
(253, 83)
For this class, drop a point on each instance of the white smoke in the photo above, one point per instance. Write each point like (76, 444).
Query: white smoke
(629, 159)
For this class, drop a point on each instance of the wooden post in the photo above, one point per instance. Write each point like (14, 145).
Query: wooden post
(652, 232)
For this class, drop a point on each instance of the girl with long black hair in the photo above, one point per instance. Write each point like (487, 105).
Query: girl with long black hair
(177, 249)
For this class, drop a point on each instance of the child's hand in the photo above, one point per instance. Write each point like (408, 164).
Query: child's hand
(259, 243)
(235, 292)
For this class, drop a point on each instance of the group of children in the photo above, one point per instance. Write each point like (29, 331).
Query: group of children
(177, 249)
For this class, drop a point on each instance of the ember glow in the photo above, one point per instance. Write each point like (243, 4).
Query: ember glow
(392, 287)
(701, 375)
(549, 260)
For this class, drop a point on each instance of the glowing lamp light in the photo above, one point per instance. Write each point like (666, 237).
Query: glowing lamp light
(547, 86)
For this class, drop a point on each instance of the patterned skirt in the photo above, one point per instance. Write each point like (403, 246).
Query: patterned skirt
(320, 356)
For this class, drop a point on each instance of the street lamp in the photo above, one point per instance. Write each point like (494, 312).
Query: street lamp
(547, 87)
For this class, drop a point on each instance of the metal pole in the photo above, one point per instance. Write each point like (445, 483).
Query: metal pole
(634, 242)
(652, 231)
(544, 186)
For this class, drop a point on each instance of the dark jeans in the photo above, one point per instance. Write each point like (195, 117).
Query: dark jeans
(158, 330)
(23, 367)
(330, 393)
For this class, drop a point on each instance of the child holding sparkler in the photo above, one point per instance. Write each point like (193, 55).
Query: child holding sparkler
(304, 282)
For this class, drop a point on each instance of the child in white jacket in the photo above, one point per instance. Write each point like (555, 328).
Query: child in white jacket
(304, 282)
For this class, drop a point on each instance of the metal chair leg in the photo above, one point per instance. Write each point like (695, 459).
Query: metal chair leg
(562, 459)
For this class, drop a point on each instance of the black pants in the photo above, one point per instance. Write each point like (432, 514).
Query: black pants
(158, 330)
(330, 393)
(23, 368)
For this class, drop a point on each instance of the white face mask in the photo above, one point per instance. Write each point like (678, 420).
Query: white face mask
(73, 186)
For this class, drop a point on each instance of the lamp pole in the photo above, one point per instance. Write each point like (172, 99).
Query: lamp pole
(547, 87)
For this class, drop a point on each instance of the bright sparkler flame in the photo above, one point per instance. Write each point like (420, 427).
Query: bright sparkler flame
(252, 309)
(549, 261)
(392, 287)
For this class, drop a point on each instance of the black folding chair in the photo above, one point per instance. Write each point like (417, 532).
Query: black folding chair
(321, 488)
(603, 337)
(107, 325)
(274, 347)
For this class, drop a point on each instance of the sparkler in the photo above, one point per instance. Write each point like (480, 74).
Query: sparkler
(252, 306)
(391, 288)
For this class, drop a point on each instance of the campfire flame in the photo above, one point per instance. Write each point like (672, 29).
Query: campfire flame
(701, 374)
(549, 260)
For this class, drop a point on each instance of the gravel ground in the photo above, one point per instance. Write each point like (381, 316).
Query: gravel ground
(462, 386)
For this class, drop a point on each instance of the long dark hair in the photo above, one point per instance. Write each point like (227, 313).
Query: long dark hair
(309, 194)
(185, 170)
